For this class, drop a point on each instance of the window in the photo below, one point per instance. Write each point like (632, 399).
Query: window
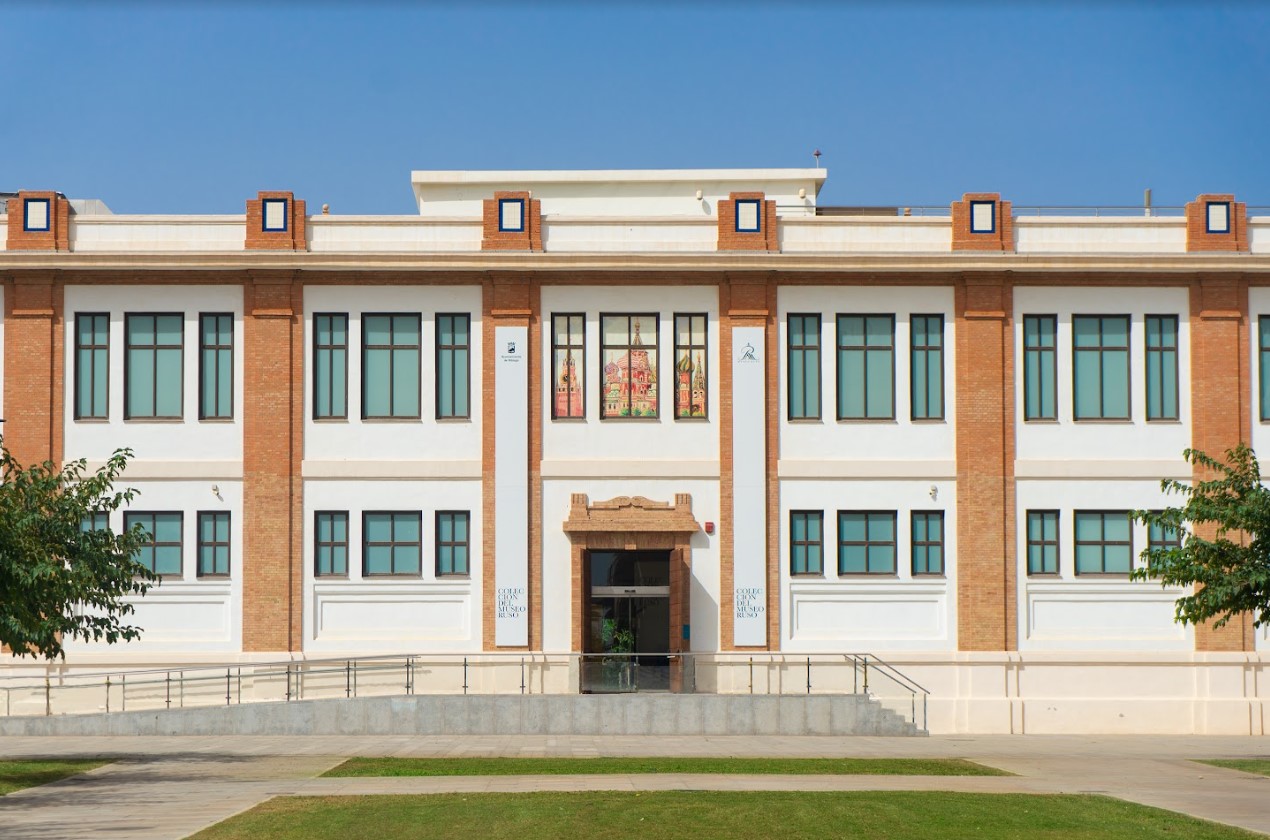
(749, 215)
(928, 542)
(1161, 333)
(1103, 543)
(96, 521)
(1100, 367)
(568, 365)
(1263, 345)
(983, 217)
(866, 367)
(1163, 537)
(330, 366)
(927, 362)
(92, 365)
(1042, 542)
(804, 367)
(511, 214)
(216, 367)
(330, 543)
(806, 542)
(35, 214)
(452, 542)
(454, 366)
(390, 366)
(274, 214)
(1217, 217)
(391, 543)
(690, 366)
(213, 544)
(161, 553)
(628, 382)
(866, 542)
(1040, 342)
(153, 376)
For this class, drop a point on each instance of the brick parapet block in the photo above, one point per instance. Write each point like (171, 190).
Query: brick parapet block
(1000, 239)
(294, 238)
(56, 238)
(1197, 236)
(766, 238)
(529, 238)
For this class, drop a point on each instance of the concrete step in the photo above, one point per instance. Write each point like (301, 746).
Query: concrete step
(476, 714)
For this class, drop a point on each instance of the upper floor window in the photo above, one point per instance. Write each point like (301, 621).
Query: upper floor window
(1263, 354)
(1162, 537)
(1040, 345)
(390, 366)
(568, 365)
(1103, 543)
(92, 365)
(1042, 542)
(1217, 217)
(983, 217)
(806, 542)
(928, 542)
(866, 542)
(749, 215)
(98, 520)
(330, 366)
(628, 380)
(452, 542)
(927, 363)
(1161, 337)
(216, 366)
(153, 376)
(213, 544)
(161, 552)
(803, 349)
(866, 367)
(274, 214)
(454, 339)
(392, 543)
(690, 366)
(511, 214)
(1100, 367)
(35, 214)
(330, 543)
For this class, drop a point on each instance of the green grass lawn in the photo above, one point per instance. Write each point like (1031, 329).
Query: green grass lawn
(564, 766)
(15, 775)
(1248, 765)
(716, 814)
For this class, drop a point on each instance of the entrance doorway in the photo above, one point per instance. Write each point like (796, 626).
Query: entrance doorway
(628, 621)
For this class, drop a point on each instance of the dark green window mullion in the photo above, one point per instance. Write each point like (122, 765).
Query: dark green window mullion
(1161, 367)
(928, 542)
(391, 543)
(1042, 542)
(690, 366)
(453, 366)
(1100, 368)
(866, 542)
(390, 366)
(803, 351)
(213, 544)
(866, 367)
(330, 543)
(330, 366)
(568, 366)
(806, 543)
(1104, 542)
(926, 340)
(216, 367)
(453, 547)
(92, 366)
(161, 551)
(1040, 375)
(153, 366)
(1263, 343)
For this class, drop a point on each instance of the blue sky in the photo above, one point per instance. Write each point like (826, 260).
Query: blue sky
(160, 108)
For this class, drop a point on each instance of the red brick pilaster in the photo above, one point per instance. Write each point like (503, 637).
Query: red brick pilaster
(294, 238)
(33, 367)
(987, 590)
(273, 445)
(56, 238)
(1001, 238)
(528, 238)
(1197, 236)
(766, 238)
(1221, 408)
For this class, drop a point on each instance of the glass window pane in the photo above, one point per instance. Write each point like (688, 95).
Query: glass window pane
(376, 330)
(378, 527)
(460, 382)
(1116, 527)
(1085, 332)
(1089, 527)
(376, 383)
(881, 527)
(378, 559)
(405, 376)
(406, 528)
(1115, 383)
(1088, 388)
(168, 383)
(852, 559)
(851, 527)
(1117, 559)
(881, 385)
(851, 372)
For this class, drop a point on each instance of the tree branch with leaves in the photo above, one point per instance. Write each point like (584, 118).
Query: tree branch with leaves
(61, 578)
(1224, 552)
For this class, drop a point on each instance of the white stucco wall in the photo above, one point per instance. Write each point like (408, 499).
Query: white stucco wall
(186, 440)
(875, 613)
(423, 613)
(421, 440)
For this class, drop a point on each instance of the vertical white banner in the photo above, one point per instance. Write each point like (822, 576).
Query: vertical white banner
(749, 487)
(511, 486)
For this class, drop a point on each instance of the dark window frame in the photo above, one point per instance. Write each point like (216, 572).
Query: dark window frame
(925, 349)
(393, 543)
(331, 545)
(1077, 542)
(132, 517)
(1161, 351)
(703, 357)
(332, 349)
(807, 544)
(392, 348)
(573, 352)
(466, 543)
(1042, 543)
(866, 349)
(868, 543)
(128, 347)
(93, 350)
(927, 544)
(813, 378)
(203, 349)
(441, 351)
(1100, 349)
(628, 347)
(1044, 352)
(214, 544)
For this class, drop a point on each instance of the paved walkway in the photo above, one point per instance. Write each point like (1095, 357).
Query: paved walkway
(170, 787)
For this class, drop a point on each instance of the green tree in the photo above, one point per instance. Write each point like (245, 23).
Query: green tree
(1224, 552)
(61, 578)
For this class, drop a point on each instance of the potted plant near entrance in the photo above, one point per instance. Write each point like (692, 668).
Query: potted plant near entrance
(619, 672)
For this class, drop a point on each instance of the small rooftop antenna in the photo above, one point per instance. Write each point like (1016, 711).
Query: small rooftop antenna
(816, 155)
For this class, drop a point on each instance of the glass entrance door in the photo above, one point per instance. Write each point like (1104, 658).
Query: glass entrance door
(628, 632)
